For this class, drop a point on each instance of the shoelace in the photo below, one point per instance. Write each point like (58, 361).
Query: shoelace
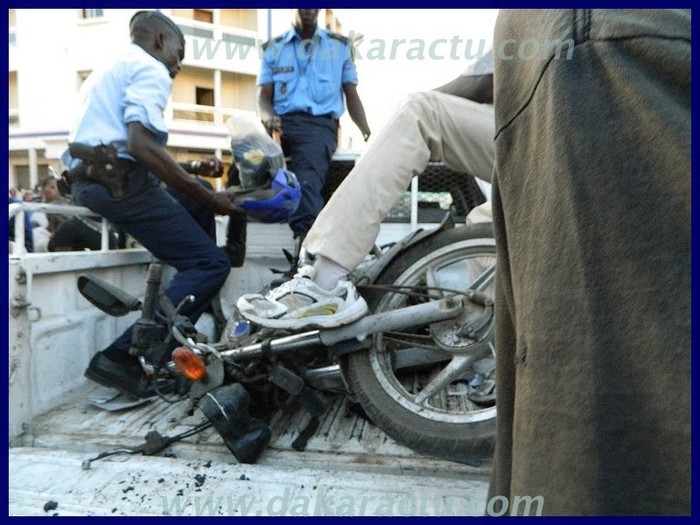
(288, 287)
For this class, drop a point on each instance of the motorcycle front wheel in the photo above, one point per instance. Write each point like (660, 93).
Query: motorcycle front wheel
(432, 388)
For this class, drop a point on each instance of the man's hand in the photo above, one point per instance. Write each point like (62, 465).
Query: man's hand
(273, 124)
(150, 154)
(222, 204)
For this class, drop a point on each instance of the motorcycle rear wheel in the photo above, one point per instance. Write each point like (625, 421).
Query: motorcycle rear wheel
(430, 407)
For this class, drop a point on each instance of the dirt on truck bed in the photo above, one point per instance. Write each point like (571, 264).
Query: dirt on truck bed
(349, 467)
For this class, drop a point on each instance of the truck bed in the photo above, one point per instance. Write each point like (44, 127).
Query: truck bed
(349, 467)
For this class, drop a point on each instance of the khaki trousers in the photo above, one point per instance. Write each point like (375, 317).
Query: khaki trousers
(428, 126)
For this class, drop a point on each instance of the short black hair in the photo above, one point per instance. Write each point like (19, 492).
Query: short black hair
(144, 21)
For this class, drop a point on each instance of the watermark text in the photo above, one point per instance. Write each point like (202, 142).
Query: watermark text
(453, 48)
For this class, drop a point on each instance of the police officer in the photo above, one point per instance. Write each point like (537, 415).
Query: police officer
(122, 106)
(303, 77)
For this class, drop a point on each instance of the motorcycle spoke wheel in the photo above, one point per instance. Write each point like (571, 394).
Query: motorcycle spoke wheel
(432, 387)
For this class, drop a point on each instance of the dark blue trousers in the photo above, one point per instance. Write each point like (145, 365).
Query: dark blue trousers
(202, 214)
(310, 142)
(153, 217)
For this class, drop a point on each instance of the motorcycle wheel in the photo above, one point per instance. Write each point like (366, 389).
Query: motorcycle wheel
(436, 406)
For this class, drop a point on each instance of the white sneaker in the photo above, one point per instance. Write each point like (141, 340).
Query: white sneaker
(300, 303)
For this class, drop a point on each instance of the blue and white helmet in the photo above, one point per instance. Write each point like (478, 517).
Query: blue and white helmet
(276, 203)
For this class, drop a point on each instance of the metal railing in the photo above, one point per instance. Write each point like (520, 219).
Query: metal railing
(18, 209)
(206, 114)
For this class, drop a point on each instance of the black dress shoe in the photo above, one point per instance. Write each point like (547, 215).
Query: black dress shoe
(128, 377)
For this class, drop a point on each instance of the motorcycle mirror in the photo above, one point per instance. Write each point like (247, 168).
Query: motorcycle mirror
(108, 298)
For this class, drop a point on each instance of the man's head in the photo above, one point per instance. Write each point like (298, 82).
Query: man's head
(305, 20)
(160, 37)
(49, 189)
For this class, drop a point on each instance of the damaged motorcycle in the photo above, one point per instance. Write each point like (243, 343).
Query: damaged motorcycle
(420, 365)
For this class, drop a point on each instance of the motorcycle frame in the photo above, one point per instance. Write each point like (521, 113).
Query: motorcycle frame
(431, 312)
(351, 336)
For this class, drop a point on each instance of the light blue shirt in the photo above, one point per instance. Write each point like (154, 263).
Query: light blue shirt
(310, 81)
(134, 89)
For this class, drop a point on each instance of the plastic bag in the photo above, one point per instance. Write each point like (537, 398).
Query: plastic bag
(256, 155)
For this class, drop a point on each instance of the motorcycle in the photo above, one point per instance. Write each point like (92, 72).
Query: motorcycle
(420, 366)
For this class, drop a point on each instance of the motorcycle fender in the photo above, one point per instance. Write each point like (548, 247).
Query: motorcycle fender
(370, 275)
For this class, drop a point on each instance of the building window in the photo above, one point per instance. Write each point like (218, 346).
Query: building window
(204, 97)
(203, 15)
(89, 14)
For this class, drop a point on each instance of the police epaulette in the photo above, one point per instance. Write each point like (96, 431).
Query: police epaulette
(275, 40)
(340, 37)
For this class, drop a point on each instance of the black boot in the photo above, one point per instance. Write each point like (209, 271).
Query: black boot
(123, 372)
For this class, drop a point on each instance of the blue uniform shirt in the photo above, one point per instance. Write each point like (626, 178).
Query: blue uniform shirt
(308, 80)
(134, 89)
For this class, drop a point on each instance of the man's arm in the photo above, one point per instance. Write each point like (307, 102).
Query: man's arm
(356, 109)
(142, 145)
(269, 118)
(478, 88)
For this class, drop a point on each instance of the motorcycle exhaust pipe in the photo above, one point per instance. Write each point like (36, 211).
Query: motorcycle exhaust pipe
(429, 312)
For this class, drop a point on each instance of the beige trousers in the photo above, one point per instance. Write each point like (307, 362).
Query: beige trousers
(428, 126)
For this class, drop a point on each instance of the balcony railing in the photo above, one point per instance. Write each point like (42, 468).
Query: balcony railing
(205, 114)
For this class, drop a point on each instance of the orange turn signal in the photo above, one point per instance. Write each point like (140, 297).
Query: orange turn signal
(190, 364)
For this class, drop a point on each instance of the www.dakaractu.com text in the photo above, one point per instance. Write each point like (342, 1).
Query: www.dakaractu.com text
(449, 48)
(328, 502)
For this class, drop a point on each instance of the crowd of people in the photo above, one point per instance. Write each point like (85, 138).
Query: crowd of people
(54, 232)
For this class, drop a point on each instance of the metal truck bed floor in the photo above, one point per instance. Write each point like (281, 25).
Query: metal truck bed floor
(349, 467)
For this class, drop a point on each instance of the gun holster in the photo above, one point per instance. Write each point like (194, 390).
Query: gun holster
(102, 166)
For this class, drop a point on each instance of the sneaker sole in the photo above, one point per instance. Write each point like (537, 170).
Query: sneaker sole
(352, 314)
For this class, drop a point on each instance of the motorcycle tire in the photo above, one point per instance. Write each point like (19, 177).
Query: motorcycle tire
(447, 425)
